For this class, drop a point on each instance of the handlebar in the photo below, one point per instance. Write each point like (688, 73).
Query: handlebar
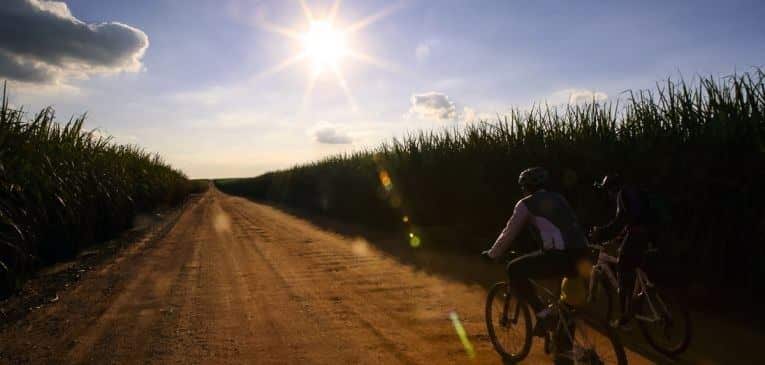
(596, 246)
(603, 246)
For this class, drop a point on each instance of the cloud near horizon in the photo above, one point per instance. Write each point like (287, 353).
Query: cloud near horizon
(326, 133)
(578, 96)
(433, 105)
(42, 42)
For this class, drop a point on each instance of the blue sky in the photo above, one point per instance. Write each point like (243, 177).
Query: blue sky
(200, 95)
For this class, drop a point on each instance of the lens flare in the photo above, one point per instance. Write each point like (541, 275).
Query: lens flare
(221, 223)
(360, 247)
(385, 180)
(414, 240)
(462, 334)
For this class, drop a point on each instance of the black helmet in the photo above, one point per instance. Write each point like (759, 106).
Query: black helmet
(609, 182)
(535, 176)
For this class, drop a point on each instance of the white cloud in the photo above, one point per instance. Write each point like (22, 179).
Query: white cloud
(326, 133)
(433, 105)
(577, 96)
(469, 114)
(42, 42)
(422, 52)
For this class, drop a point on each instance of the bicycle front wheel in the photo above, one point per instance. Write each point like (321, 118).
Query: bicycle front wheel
(665, 321)
(509, 323)
(602, 300)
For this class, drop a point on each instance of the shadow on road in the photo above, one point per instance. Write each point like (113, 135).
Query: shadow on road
(715, 340)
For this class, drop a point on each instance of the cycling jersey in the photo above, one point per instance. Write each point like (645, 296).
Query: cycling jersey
(552, 216)
(632, 213)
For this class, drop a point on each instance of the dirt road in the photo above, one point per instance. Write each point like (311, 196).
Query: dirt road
(239, 282)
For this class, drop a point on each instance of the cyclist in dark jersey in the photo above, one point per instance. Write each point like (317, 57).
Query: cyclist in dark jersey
(563, 240)
(634, 224)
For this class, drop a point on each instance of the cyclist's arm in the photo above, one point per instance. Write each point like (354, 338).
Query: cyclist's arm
(514, 226)
(617, 224)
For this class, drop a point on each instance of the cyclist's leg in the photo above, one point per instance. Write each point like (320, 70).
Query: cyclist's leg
(630, 256)
(536, 265)
(518, 271)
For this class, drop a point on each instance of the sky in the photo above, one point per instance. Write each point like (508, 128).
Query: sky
(205, 83)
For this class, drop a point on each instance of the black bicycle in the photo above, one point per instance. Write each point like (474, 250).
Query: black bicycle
(569, 335)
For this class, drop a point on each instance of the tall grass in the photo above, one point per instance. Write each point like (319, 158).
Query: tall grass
(62, 187)
(700, 143)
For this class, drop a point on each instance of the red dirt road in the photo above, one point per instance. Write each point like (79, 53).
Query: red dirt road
(242, 283)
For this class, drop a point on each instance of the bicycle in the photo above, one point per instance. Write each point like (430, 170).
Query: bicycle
(569, 338)
(654, 308)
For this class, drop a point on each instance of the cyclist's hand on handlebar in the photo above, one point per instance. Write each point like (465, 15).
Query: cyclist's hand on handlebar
(486, 257)
(594, 234)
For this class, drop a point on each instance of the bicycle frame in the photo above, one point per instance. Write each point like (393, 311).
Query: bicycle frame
(564, 320)
(604, 267)
(565, 317)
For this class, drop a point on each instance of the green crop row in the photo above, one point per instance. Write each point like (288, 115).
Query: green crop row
(700, 143)
(62, 187)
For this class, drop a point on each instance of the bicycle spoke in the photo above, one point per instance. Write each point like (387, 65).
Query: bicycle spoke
(508, 328)
(509, 324)
(592, 347)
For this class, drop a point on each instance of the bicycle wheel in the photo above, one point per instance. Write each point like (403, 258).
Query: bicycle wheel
(664, 321)
(509, 323)
(602, 300)
(589, 346)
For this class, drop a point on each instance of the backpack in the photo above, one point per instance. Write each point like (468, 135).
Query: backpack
(659, 210)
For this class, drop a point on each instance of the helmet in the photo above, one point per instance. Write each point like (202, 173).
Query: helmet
(535, 176)
(609, 182)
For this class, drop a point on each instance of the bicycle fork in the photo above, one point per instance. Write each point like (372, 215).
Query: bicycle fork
(504, 320)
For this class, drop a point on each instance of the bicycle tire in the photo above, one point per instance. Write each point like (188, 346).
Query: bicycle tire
(595, 356)
(497, 295)
(601, 305)
(680, 312)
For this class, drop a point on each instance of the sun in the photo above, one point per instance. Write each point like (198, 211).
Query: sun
(324, 45)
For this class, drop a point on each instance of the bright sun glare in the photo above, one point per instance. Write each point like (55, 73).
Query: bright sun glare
(325, 45)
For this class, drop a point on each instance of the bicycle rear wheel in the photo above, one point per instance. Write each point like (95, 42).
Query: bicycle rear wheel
(509, 323)
(664, 321)
(589, 346)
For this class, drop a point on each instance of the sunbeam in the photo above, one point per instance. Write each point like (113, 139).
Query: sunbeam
(273, 28)
(333, 11)
(284, 64)
(308, 89)
(306, 10)
(371, 60)
(344, 86)
(326, 46)
(363, 23)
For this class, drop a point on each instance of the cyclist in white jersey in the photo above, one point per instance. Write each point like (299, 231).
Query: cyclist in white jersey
(563, 240)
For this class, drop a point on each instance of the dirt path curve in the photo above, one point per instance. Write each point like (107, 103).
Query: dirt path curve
(239, 282)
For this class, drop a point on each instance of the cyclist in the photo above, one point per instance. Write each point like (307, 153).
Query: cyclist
(633, 223)
(563, 240)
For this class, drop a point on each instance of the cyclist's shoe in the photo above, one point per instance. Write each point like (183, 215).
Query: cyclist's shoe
(545, 319)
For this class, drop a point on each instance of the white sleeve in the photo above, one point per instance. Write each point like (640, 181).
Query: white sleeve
(514, 226)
